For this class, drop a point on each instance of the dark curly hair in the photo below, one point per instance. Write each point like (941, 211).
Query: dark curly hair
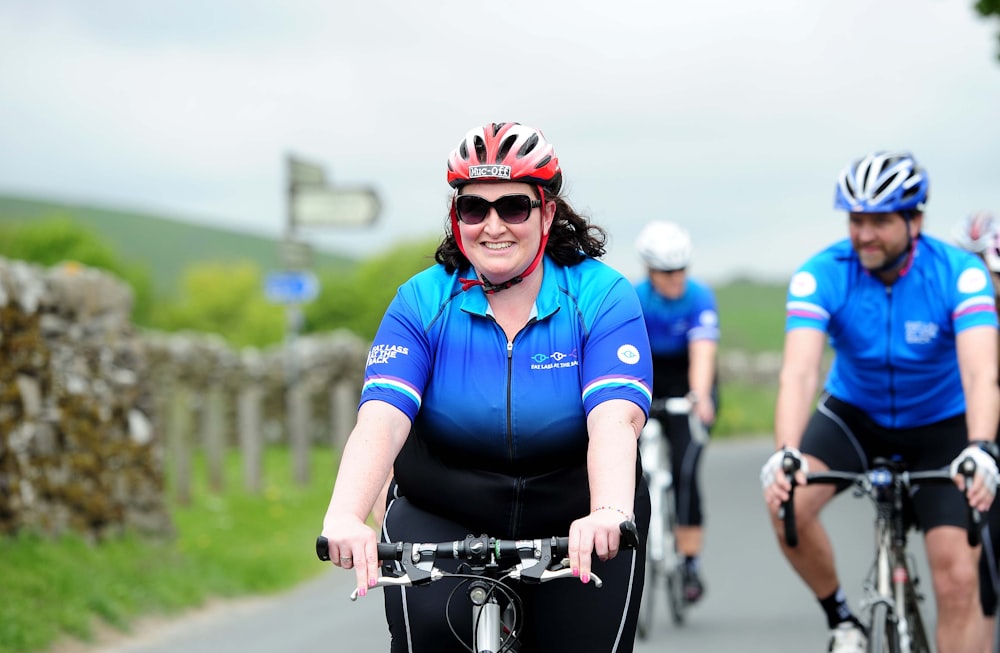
(572, 238)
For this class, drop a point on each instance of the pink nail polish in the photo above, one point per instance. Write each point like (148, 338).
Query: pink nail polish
(576, 572)
(372, 582)
(585, 578)
(362, 591)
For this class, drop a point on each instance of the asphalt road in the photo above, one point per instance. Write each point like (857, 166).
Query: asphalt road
(753, 603)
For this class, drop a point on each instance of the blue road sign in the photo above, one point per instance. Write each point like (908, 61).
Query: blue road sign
(291, 287)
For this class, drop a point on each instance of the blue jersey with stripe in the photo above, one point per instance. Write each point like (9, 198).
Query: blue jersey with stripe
(894, 346)
(440, 358)
(672, 323)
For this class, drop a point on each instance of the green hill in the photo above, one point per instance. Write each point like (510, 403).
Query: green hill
(165, 246)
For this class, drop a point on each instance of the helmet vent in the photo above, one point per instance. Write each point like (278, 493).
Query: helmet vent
(505, 148)
(463, 151)
(544, 162)
(528, 146)
(480, 146)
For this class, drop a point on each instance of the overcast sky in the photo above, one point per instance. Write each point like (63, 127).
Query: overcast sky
(732, 117)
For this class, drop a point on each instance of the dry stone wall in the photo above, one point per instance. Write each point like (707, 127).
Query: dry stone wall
(86, 401)
(77, 447)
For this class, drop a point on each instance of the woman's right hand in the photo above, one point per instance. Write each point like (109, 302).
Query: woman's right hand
(353, 545)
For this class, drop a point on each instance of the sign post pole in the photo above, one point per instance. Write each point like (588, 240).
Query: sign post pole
(309, 201)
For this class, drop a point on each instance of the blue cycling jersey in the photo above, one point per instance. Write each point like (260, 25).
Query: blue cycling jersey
(894, 345)
(672, 323)
(440, 357)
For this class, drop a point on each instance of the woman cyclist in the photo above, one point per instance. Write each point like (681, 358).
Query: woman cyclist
(505, 391)
(683, 325)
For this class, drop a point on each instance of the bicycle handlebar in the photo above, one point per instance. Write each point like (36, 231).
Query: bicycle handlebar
(533, 561)
(671, 406)
(882, 474)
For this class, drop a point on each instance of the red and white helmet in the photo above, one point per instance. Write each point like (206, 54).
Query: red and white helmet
(979, 233)
(976, 233)
(505, 151)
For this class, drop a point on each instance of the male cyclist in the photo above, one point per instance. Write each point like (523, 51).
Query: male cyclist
(913, 325)
(683, 326)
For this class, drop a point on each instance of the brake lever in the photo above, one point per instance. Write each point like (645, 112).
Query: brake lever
(550, 574)
(398, 581)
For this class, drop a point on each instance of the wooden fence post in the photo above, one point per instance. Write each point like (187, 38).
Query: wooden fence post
(213, 436)
(343, 412)
(248, 424)
(298, 427)
(179, 435)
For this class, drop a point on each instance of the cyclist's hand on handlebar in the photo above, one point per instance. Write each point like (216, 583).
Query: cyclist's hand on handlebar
(984, 484)
(353, 545)
(773, 479)
(704, 408)
(597, 533)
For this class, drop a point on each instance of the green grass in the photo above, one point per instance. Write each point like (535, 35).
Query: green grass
(226, 546)
(751, 315)
(745, 409)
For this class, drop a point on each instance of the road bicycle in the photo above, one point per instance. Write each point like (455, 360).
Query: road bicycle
(489, 566)
(664, 563)
(891, 590)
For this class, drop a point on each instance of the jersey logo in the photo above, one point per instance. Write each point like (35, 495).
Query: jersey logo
(920, 333)
(972, 280)
(708, 318)
(628, 354)
(382, 353)
(554, 360)
(803, 284)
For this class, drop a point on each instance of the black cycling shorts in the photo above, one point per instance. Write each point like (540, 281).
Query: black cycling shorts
(846, 439)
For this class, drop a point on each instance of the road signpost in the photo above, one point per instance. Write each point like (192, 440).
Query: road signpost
(311, 201)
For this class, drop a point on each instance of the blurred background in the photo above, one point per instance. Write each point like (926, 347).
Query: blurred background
(144, 193)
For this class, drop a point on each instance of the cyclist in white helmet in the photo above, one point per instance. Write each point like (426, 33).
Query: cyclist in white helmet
(683, 325)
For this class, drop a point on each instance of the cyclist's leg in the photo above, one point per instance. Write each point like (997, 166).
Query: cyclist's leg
(568, 616)
(685, 459)
(416, 615)
(941, 513)
(829, 441)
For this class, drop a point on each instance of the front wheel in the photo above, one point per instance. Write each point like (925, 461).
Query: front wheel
(881, 632)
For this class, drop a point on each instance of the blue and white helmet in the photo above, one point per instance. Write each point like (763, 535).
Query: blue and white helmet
(882, 182)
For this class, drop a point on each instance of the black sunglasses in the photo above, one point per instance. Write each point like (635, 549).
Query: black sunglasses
(512, 209)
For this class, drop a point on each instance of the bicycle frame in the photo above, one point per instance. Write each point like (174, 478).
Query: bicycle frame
(895, 623)
(490, 563)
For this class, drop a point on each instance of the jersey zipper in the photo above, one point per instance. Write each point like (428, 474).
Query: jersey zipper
(888, 356)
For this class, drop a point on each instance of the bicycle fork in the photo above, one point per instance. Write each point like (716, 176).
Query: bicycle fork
(486, 618)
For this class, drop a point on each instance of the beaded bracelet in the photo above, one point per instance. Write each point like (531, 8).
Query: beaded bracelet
(618, 510)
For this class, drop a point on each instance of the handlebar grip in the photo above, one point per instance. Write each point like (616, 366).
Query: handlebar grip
(323, 549)
(974, 532)
(786, 512)
(630, 534)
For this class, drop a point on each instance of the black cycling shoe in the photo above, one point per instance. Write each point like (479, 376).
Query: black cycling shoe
(691, 586)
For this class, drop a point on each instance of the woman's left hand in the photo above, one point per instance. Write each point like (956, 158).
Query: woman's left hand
(598, 533)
